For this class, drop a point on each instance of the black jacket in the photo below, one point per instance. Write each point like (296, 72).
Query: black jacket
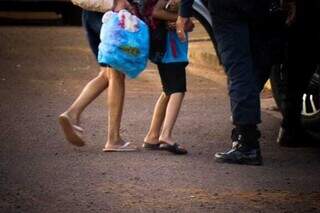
(240, 8)
(186, 8)
(231, 8)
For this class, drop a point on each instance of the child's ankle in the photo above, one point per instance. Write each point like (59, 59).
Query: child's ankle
(73, 116)
(151, 139)
(115, 141)
(168, 140)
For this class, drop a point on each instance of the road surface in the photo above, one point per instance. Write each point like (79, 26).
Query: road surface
(43, 69)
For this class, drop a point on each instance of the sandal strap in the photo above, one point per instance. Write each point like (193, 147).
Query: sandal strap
(151, 146)
(125, 145)
(78, 128)
(174, 148)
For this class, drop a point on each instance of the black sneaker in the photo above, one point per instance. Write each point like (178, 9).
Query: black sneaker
(245, 149)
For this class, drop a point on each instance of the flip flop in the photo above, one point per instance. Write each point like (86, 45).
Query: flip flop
(150, 146)
(78, 128)
(124, 148)
(174, 148)
(70, 130)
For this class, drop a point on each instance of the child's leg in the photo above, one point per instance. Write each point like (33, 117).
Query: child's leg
(69, 119)
(171, 115)
(173, 77)
(88, 94)
(160, 108)
(116, 94)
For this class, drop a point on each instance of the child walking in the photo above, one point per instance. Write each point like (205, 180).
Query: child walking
(108, 78)
(170, 55)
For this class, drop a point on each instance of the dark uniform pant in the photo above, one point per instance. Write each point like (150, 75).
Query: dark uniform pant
(243, 54)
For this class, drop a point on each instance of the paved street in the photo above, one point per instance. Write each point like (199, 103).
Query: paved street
(43, 69)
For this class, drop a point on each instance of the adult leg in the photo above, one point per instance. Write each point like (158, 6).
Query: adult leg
(234, 47)
(158, 116)
(233, 39)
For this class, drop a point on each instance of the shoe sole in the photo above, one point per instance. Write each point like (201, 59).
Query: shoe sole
(243, 162)
(119, 150)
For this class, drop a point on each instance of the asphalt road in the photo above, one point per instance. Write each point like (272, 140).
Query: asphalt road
(42, 69)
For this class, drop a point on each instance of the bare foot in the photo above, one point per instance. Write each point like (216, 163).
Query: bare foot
(166, 140)
(151, 140)
(74, 120)
(119, 146)
(70, 130)
(169, 141)
(169, 145)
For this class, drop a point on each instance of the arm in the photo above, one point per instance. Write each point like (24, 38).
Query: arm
(160, 13)
(185, 13)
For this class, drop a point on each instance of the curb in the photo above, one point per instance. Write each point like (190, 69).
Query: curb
(202, 53)
(200, 39)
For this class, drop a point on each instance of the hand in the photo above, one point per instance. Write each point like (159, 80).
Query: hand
(180, 27)
(172, 26)
(189, 26)
(122, 4)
